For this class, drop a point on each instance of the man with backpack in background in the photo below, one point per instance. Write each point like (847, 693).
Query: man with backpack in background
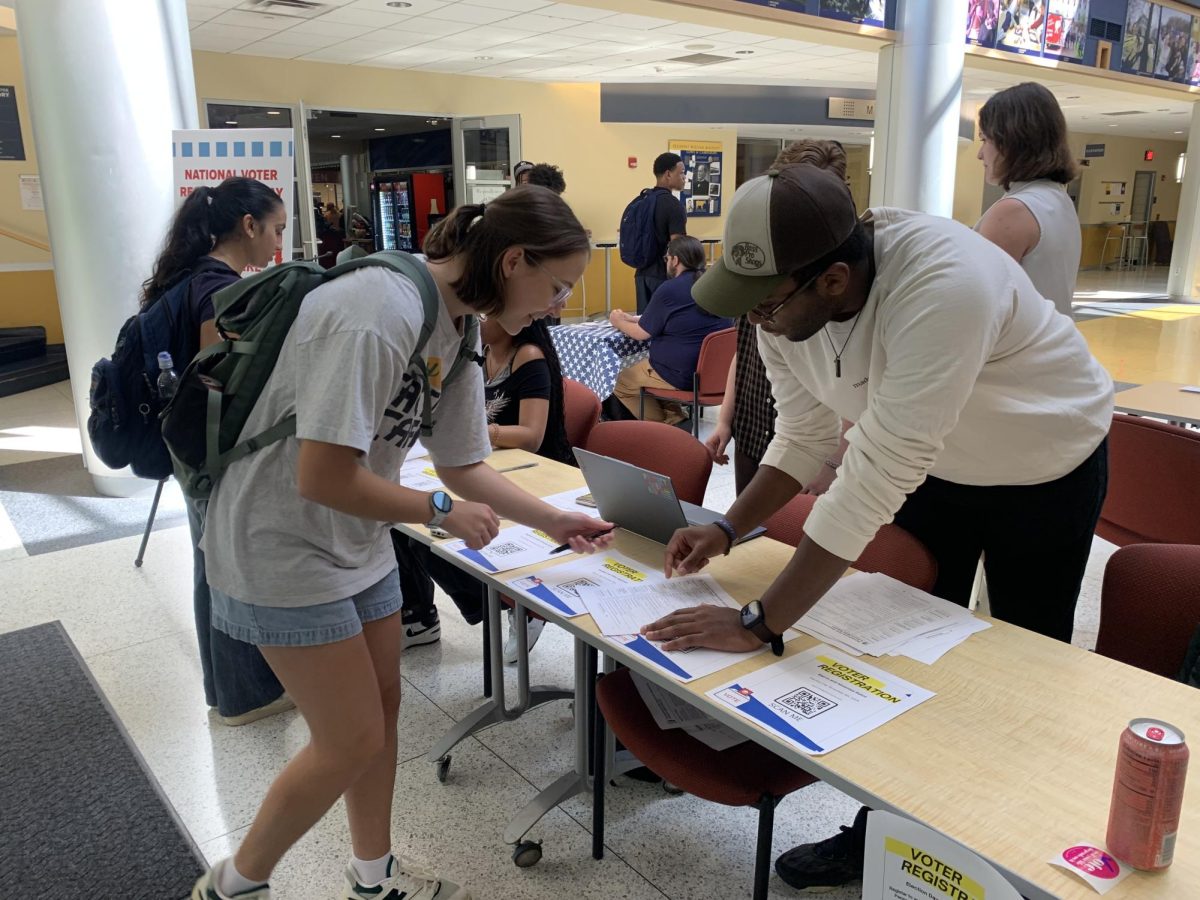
(650, 222)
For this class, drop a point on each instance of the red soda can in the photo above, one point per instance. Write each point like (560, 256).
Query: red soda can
(1143, 818)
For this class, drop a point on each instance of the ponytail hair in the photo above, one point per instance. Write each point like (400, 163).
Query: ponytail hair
(531, 217)
(208, 215)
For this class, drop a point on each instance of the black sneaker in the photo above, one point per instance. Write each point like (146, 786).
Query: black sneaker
(828, 864)
(421, 628)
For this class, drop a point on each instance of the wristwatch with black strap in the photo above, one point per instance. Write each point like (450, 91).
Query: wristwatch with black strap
(754, 619)
(440, 504)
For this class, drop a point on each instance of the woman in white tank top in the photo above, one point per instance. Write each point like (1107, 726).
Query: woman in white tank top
(1025, 151)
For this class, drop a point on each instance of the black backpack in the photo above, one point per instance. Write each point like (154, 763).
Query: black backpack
(203, 424)
(124, 421)
(637, 240)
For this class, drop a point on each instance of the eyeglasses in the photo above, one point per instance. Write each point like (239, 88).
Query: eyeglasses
(769, 315)
(563, 290)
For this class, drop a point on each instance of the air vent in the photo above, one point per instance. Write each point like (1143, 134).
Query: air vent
(1108, 31)
(291, 9)
(701, 59)
(1125, 112)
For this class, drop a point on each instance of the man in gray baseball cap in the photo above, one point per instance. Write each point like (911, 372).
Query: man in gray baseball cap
(980, 421)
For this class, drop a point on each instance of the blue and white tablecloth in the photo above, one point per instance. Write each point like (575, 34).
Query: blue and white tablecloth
(595, 354)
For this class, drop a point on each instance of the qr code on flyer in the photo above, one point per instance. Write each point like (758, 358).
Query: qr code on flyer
(807, 703)
(505, 549)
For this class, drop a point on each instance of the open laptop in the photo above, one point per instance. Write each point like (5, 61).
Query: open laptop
(641, 501)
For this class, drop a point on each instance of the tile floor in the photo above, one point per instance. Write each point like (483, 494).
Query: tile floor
(134, 628)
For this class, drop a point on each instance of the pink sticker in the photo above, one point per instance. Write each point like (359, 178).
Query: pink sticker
(1155, 734)
(1093, 861)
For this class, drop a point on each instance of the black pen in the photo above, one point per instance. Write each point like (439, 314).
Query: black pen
(591, 537)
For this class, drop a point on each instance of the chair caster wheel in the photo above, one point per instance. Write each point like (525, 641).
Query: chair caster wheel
(527, 853)
(443, 769)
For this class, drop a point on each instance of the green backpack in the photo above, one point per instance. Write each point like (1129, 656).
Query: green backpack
(202, 425)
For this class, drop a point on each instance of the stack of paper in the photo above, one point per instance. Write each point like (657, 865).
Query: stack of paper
(877, 615)
(512, 548)
(420, 475)
(671, 712)
(627, 608)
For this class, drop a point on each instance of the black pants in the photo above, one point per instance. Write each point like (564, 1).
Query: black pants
(419, 569)
(644, 287)
(1035, 540)
(745, 467)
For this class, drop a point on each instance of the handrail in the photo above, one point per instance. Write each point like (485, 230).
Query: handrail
(32, 242)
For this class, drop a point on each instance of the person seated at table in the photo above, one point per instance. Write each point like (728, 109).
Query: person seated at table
(523, 386)
(675, 327)
(981, 422)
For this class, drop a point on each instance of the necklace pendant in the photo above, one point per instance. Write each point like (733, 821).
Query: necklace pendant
(837, 367)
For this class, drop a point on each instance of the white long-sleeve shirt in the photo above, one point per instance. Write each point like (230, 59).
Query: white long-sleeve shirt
(956, 368)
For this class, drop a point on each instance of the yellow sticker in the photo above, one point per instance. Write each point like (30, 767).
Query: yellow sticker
(433, 366)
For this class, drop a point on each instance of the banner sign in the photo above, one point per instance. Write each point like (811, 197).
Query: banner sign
(206, 157)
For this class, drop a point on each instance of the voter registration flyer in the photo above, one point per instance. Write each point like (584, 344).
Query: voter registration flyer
(820, 699)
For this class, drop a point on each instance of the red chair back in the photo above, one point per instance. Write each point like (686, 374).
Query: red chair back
(581, 411)
(893, 552)
(1153, 488)
(712, 366)
(660, 448)
(1150, 606)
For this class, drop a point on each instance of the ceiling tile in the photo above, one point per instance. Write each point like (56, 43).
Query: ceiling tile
(306, 39)
(516, 6)
(579, 13)
(351, 52)
(463, 12)
(246, 19)
(639, 23)
(199, 14)
(740, 37)
(415, 7)
(428, 27)
(628, 37)
(351, 16)
(476, 39)
(686, 29)
(335, 31)
(221, 4)
(274, 49)
(539, 23)
(228, 34)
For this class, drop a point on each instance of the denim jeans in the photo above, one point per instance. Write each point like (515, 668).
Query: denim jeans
(236, 677)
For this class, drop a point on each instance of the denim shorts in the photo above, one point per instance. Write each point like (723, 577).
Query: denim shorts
(306, 626)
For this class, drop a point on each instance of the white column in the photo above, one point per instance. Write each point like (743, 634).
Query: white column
(108, 80)
(1185, 250)
(917, 108)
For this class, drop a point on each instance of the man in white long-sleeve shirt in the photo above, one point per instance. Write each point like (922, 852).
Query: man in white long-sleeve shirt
(980, 414)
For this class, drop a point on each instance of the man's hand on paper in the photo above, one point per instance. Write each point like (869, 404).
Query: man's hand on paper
(691, 548)
(573, 528)
(717, 627)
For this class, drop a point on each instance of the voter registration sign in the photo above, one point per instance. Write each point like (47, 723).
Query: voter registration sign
(208, 156)
(905, 860)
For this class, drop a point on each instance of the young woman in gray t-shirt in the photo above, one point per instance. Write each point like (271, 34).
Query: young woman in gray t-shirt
(299, 557)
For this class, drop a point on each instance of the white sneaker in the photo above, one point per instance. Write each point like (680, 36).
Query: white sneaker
(206, 889)
(282, 703)
(533, 627)
(405, 881)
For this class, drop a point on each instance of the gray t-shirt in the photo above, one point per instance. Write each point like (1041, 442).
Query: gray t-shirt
(344, 371)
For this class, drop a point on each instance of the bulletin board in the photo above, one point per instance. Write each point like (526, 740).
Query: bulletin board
(702, 167)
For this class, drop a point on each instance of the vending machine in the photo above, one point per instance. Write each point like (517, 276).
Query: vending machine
(391, 200)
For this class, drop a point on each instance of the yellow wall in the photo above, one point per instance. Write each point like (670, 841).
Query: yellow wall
(27, 294)
(968, 184)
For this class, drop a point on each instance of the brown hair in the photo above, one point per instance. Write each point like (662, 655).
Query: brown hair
(1027, 128)
(829, 155)
(531, 217)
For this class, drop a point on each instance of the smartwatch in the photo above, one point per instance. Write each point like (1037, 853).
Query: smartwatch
(755, 620)
(440, 505)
